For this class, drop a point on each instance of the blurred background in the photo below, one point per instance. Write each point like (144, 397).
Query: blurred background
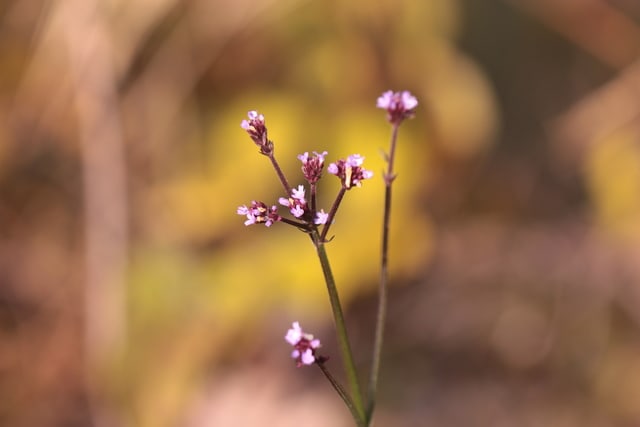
(131, 294)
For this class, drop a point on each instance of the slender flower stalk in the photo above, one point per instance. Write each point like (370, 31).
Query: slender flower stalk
(399, 106)
(341, 329)
(381, 314)
(283, 179)
(332, 213)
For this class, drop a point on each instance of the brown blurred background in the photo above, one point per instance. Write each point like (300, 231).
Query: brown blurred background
(132, 295)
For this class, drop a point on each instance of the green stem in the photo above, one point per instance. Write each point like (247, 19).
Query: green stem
(283, 179)
(343, 394)
(384, 279)
(341, 329)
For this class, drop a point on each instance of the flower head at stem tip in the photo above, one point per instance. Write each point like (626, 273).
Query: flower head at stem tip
(304, 346)
(350, 171)
(257, 130)
(312, 166)
(399, 105)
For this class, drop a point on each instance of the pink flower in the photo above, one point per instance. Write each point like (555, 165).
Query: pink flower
(257, 130)
(399, 105)
(350, 171)
(321, 217)
(312, 166)
(296, 203)
(259, 213)
(304, 345)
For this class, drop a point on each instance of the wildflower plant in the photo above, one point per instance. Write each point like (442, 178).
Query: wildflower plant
(305, 215)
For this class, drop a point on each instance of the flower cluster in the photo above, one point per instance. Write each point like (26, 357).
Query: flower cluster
(307, 218)
(299, 208)
(304, 345)
(399, 105)
(259, 213)
(350, 171)
(296, 203)
(312, 166)
(257, 130)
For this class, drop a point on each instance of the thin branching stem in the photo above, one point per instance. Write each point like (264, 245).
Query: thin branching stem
(300, 225)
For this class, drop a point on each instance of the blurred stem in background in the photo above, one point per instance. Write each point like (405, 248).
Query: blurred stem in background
(104, 177)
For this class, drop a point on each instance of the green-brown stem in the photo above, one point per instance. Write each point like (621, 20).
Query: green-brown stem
(332, 213)
(343, 394)
(283, 179)
(341, 329)
(384, 279)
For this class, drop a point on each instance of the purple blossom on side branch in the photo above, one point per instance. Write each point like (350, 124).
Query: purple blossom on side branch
(296, 203)
(399, 105)
(321, 217)
(304, 345)
(259, 213)
(350, 171)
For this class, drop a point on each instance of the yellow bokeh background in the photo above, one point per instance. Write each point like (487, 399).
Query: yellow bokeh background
(131, 293)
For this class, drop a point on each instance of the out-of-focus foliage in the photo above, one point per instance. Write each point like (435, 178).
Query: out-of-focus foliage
(613, 170)
(131, 294)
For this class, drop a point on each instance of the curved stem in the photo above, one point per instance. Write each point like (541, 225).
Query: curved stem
(341, 329)
(344, 395)
(384, 279)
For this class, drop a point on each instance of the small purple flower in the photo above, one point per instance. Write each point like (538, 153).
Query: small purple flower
(296, 203)
(298, 193)
(257, 130)
(350, 171)
(259, 213)
(321, 217)
(304, 345)
(312, 166)
(399, 105)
